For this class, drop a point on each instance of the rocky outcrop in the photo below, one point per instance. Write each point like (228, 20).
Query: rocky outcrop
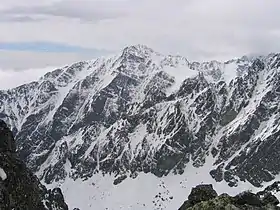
(19, 187)
(204, 197)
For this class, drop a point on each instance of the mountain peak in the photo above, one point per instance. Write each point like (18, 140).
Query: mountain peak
(139, 50)
(140, 47)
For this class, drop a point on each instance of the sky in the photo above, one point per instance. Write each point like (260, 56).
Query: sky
(39, 34)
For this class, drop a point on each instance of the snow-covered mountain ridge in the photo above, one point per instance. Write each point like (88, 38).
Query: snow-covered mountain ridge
(141, 116)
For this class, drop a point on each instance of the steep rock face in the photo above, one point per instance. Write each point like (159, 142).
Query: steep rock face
(19, 188)
(141, 111)
(204, 197)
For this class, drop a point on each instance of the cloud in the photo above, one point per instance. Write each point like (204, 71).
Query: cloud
(22, 60)
(21, 77)
(57, 32)
(21, 18)
(197, 29)
(78, 9)
(47, 47)
(20, 67)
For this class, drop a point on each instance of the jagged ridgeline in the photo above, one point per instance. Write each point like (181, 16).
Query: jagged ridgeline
(19, 187)
(141, 112)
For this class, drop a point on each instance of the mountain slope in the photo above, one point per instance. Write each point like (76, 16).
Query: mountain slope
(141, 115)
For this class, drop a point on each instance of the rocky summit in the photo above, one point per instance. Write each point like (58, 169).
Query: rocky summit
(204, 197)
(107, 125)
(20, 189)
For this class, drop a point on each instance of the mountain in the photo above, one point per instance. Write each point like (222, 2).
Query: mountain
(137, 130)
(19, 188)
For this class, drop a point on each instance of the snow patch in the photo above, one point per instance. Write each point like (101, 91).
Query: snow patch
(229, 72)
(3, 174)
(146, 191)
(179, 73)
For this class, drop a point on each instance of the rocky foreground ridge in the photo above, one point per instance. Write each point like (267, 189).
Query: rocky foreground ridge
(204, 197)
(20, 189)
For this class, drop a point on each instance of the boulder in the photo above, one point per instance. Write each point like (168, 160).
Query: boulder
(202, 193)
(248, 198)
(7, 141)
(204, 197)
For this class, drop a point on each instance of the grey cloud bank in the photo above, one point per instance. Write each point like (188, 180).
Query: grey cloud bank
(82, 9)
(196, 29)
(21, 60)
